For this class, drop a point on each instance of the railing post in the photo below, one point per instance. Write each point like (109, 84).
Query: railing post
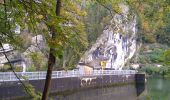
(10, 76)
(57, 74)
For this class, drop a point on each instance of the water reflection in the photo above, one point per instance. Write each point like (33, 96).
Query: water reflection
(125, 92)
(158, 89)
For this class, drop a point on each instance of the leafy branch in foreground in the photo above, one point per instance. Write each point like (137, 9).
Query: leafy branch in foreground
(60, 32)
(27, 87)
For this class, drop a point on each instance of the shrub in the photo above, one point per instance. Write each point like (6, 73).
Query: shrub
(31, 69)
(150, 69)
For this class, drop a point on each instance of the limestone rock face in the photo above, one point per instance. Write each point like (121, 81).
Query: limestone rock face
(116, 45)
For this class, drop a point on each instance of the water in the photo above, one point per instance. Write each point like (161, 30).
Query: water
(125, 92)
(158, 89)
(155, 89)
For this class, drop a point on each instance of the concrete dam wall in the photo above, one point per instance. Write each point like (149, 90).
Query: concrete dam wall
(11, 90)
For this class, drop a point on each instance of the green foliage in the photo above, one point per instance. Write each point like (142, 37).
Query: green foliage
(166, 57)
(142, 59)
(40, 18)
(164, 70)
(152, 16)
(18, 69)
(31, 91)
(155, 56)
(112, 5)
(69, 26)
(153, 70)
(26, 39)
(37, 59)
(95, 21)
(5, 68)
(31, 69)
(7, 25)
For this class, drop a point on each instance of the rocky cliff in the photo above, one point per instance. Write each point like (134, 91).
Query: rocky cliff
(117, 43)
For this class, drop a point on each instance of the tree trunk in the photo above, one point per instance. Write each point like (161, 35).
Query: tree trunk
(51, 59)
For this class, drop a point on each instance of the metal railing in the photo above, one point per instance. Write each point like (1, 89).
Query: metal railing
(9, 76)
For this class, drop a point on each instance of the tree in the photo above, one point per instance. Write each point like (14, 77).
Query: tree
(61, 27)
(52, 58)
(152, 15)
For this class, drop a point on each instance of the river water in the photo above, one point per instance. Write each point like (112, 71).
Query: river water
(155, 89)
(158, 89)
(126, 92)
